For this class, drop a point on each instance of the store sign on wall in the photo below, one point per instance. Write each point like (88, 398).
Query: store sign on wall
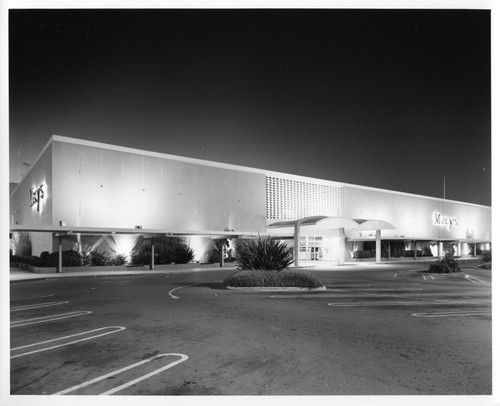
(439, 220)
(35, 196)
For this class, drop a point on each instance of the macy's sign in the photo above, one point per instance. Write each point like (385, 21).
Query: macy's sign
(439, 220)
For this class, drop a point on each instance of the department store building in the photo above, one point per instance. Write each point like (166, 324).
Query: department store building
(111, 195)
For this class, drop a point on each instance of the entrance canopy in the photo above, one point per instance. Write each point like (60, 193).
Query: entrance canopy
(328, 222)
(373, 224)
(325, 223)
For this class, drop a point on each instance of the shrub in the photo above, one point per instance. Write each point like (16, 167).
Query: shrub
(99, 259)
(45, 258)
(263, 254)
(182, 254)
(69, 258)
(363, 254)
(164, 257)
(266, 278)
(31, 260)
(15, 259)
(445, 265)
(486, 256)
(118, 260)
(141, 257)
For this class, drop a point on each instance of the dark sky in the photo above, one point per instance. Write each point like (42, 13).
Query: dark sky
(383, 98)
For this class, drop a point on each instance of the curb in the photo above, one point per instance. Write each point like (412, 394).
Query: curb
(277, 289)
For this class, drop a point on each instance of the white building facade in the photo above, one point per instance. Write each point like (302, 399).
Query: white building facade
(87, 188)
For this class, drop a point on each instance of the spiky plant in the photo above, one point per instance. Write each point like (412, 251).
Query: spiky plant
(263, 253)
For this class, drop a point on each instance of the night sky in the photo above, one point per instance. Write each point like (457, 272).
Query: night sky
(396, 99)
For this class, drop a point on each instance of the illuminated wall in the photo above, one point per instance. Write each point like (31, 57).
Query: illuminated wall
(418, 217)
(24, 209)
(31, 202)
(105, 187)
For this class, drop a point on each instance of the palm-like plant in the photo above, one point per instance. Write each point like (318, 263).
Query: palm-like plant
(263, 253)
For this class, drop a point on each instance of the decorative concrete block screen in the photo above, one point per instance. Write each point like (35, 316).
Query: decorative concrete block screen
(288, 199)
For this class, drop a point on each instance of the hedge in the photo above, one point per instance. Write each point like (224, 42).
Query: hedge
(285, 278)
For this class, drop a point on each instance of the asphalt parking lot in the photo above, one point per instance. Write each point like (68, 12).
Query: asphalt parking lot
(375, 330)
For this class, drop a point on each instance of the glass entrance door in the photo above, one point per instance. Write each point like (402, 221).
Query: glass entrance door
(311, 248)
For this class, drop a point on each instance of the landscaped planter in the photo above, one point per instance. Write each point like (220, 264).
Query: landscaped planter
(272, 289)
(272, 279)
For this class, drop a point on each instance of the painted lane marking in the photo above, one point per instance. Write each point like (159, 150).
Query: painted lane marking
(345, 293)
(351, 285)
(400, 303)
(31, 298)
(453, 314)
(180, 287)
(37, 306)
(473, 279)
(115, 329)
(432, 277)
(183, 358)
(46, 319)
(423, 276)
(378, 289)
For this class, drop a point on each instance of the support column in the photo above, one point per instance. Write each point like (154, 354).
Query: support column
(341, 246)
(59, 262)
(440, 249)
(296, 241)
(152, 265)
(475, 248)
(415, 249)
(377, 246)
(222, 253)
(459, 248)
(389, 251)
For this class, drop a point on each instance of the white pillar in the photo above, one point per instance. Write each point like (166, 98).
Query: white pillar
(377, 246)
(296, 240)
(59, 262)
(152, 266)
(341, 246)
(222, 253)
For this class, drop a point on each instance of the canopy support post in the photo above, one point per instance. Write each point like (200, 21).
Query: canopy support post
(377, 246)
(296, 240)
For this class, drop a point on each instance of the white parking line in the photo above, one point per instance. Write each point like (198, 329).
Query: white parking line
(180, 287)
(473, 279)
(453, 314)
(46, 319)
(37, 306)
(378, 289)
(183, 358)
(31, 298)
(399, 303)
(116, 329)
(351, 285)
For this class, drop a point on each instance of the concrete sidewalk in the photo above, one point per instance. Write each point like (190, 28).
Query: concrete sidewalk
(18, 274)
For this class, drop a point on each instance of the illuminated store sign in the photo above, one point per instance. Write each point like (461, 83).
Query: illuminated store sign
(439, 220)
(35, 196)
